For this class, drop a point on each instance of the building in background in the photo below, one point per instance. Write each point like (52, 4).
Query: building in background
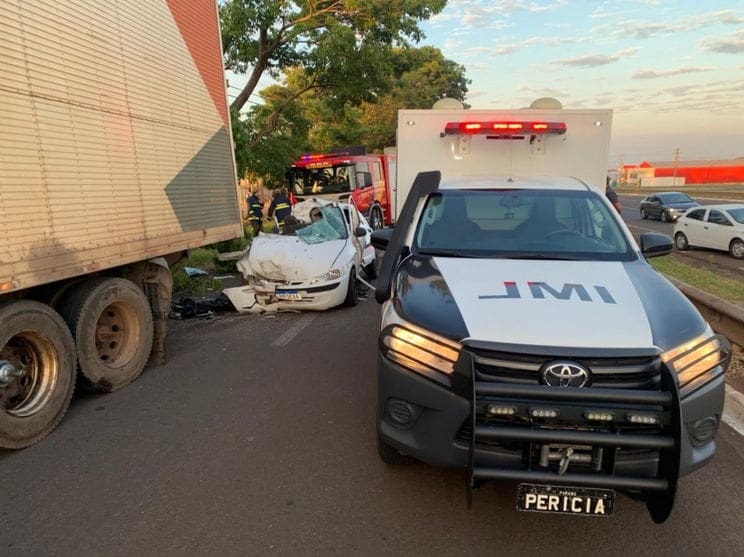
(679, 173)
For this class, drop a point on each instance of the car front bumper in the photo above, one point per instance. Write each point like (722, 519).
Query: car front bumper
(311, 296)
(433, 423)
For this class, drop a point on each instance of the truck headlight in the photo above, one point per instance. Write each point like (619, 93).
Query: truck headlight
(419, 350)
(693, 359)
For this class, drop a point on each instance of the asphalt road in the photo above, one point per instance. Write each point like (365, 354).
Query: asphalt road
(258, 438)
(717, 260)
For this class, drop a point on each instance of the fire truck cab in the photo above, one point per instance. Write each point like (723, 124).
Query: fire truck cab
(349, 175)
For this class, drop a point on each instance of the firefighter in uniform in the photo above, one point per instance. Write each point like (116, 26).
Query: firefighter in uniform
(255, 212)
(280, 206)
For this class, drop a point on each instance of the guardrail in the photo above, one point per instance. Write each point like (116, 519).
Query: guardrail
(725, 318)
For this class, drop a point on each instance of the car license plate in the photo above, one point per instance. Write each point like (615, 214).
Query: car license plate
(568, 500)
(288, 295)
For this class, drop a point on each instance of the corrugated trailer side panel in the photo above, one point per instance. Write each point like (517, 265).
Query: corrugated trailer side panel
(114, 144)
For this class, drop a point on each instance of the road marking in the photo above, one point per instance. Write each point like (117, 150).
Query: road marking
(642, 228)
(294, 330)
(733, 413)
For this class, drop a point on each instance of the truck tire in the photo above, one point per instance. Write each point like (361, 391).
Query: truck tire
(37, 372)
(351, 290)
(391, 455)
(111, 322)
(376, 220)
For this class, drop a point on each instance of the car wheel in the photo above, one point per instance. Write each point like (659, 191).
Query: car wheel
(680, 240)
(736, 248)
(644, 214)
(351, 293)
(664, 216)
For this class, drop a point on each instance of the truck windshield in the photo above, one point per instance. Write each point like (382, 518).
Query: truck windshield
(328, 179)
(521, 224)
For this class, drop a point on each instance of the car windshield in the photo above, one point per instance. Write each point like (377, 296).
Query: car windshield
(328, 224)
(737, 214)
(521, 224)
(324, 178)
(675, 198)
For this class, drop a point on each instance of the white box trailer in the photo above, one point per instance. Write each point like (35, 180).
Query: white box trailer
(115, 153)
(523, 142)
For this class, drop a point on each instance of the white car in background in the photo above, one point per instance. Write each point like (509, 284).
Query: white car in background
(718, 227)
(312, 265)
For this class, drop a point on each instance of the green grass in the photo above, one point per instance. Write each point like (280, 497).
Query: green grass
(723, 287)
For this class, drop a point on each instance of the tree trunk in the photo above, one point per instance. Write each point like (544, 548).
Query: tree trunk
(242, 98)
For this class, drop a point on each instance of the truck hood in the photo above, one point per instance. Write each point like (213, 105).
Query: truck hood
(289, 259)
(581, 304)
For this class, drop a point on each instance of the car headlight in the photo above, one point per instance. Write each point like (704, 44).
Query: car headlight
(692, 360)
(419, 350)
(330, 275)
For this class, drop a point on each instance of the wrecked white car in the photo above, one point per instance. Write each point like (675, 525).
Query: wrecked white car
(313, 264)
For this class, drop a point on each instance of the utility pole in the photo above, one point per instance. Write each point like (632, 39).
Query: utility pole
(676, 165)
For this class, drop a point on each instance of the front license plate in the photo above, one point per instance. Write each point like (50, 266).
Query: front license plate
(568, 500)
(288, 295)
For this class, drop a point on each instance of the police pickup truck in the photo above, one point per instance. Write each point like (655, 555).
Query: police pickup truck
(525, 337)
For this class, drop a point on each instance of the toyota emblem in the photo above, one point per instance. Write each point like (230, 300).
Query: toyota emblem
(564, 374)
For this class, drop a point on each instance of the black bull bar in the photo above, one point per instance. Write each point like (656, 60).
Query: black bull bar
(659, 491)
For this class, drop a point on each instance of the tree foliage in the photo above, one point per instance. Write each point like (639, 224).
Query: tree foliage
(332, 39)
(317, 121)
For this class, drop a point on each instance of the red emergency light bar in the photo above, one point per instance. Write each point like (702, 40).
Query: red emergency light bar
(323, 156)
(457, 128)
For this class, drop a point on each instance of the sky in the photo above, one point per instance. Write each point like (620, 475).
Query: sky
(671, 70)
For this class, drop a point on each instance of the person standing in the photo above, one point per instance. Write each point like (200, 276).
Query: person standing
(255, 213)
(280, 206)
(612, 196)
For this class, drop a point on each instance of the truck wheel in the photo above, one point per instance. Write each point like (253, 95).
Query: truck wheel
(391, 455)
(351, 290)
(644, 214)
(111, 322)
(736, 248)
(37, 372)
(375, 219)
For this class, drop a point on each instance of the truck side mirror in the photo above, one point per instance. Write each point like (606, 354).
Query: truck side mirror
(381, 238)
(360, 232)
(654, 245)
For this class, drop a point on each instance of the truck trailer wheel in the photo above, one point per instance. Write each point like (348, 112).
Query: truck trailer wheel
(111, 322)
(37, 372)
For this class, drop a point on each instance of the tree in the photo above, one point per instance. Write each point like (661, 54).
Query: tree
(273, 134)
(326, 37)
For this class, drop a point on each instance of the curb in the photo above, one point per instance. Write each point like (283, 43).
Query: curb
(733, 410)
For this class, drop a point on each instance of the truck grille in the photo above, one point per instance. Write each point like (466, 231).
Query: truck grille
(642, 372)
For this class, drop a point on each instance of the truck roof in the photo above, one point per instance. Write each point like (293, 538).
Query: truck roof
(513, 182)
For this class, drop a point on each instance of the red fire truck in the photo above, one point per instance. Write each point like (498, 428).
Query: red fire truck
(350, 174)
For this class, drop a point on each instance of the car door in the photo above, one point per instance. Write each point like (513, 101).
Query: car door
(691, 224)
(654, 207)
(718, 229)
